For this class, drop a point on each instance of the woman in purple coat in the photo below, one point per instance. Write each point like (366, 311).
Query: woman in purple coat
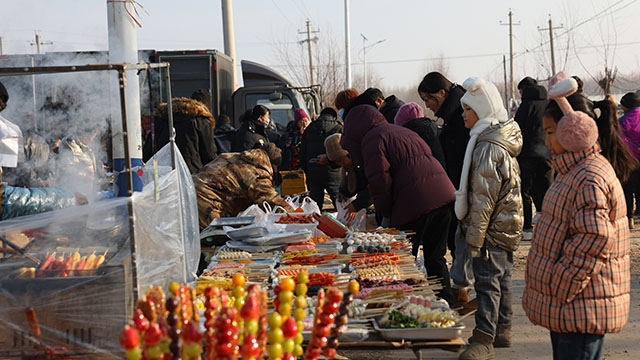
(630, 132)
(407, 184)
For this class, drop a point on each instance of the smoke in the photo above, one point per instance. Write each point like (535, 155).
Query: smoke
(72, 112)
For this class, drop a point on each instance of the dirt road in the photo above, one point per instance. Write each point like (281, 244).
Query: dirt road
(532, 342)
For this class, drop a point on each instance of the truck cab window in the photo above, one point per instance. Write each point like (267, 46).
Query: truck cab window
(281, 110)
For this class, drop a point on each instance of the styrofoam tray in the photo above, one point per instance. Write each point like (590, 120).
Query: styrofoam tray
(251, 231)
(280, 239)
(444, 333)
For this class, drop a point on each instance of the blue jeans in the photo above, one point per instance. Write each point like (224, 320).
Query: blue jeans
(492, 270)
(461, 271)
(574, 346)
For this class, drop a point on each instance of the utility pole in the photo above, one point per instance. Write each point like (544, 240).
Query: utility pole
(510, 24)
(347, 43)
(1, 46)
(504, 68)
(229, 39)
(123, 48)
(553, 58)
(38, 43)
(364, 51)
(309, 42)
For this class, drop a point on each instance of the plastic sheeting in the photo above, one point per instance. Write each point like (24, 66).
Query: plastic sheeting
(80, 313)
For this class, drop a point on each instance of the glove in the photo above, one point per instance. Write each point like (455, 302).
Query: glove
(474, 251)
(386, 222)
(461, 205)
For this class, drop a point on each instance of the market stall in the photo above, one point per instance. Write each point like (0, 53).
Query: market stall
(396, 306)
(69, 279)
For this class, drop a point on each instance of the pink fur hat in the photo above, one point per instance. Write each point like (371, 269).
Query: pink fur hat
(408, 112)
(576, 131)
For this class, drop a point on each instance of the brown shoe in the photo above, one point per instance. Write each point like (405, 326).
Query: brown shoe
(503, 336)
(460, 297)
(481, 347)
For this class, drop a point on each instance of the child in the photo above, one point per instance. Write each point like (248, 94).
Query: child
(489, 207)
(577, 278)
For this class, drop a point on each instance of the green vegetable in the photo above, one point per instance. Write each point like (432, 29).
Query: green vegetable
(400, 320)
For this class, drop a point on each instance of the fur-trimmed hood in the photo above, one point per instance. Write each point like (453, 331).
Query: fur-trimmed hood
(185, 109)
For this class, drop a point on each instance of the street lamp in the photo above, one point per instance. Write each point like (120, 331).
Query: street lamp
(364, 50)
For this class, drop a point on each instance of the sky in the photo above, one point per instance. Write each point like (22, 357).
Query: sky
(464, 35)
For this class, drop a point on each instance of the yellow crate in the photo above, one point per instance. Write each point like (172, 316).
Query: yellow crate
(293, 182)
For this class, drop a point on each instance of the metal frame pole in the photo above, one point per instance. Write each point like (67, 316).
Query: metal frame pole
(172, 133)
(174, 166)
(122, 82)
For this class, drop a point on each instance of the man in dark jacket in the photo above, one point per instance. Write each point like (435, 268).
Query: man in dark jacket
(320, 177)
(194, 126)
(407, 184)
(252, 134)
(388, 106)
(535, 171)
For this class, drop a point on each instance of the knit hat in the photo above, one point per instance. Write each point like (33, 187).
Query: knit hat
(576, 131)
(275, 154)
(4, 95)
(630, 100)
(333, 149)
(299, 114)
(484, 98)
(408, 112)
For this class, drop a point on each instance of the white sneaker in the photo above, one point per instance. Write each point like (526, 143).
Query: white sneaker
(527, 235)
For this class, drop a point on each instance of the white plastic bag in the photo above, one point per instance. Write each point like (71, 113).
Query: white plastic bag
(276, 210)
(294, 202)
(254, 210)
(357, 223)
(309, 206)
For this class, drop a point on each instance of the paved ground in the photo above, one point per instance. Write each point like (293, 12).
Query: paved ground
(532, 342)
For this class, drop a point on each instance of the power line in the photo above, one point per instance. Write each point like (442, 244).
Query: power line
(282, 13)
(597, 15)
(458, 57)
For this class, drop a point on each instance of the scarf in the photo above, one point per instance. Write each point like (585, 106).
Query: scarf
(462, 205)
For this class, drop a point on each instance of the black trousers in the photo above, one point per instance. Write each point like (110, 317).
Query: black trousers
(536, 176)
(631, 188)
(431, 232)
(317, 192)
(451, 236)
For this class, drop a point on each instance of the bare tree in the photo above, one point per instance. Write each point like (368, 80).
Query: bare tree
(608, 38)
(328, 69)
(439, 64)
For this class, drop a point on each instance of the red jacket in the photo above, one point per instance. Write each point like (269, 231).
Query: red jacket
(578, 275)
(405, 180)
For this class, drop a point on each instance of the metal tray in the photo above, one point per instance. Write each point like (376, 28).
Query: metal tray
(447, 333)
(233, 221)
